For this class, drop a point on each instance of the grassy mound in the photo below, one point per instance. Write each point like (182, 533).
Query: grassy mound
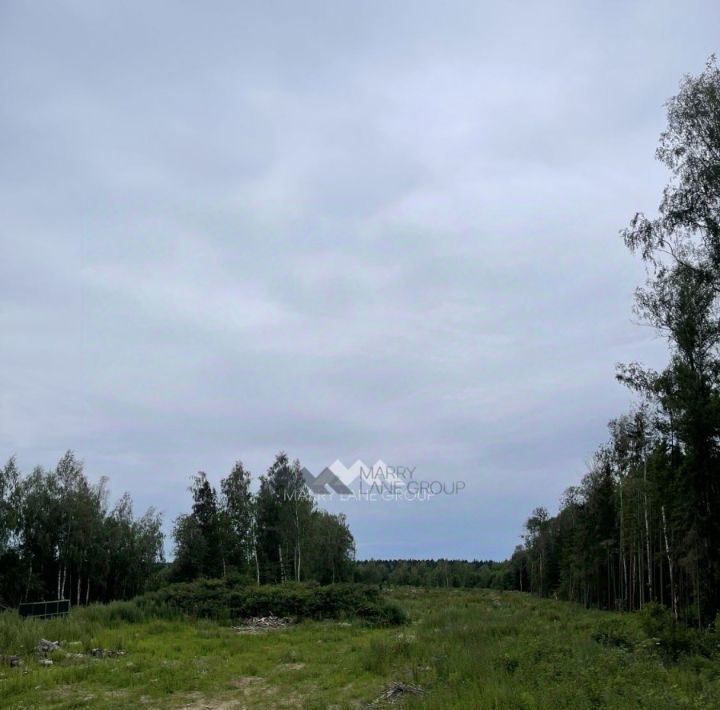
(221, 599)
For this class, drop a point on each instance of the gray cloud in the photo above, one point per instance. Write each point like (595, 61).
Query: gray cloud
(346, 231)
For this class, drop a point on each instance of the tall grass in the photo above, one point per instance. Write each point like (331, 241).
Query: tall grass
(508, 650)
(211, 599)
(19, 636)
(465, 648)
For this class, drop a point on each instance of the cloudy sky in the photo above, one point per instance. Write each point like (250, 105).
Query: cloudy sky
(344, 230)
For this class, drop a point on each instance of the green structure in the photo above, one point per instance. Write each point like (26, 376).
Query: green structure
(59, 607)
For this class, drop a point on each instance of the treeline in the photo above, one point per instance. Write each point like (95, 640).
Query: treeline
(274, 536)
(435, 573)
(60, 539)
(644, 524)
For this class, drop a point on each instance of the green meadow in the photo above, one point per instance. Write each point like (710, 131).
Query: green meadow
(464, 649)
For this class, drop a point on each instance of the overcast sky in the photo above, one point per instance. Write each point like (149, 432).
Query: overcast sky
(344, 230)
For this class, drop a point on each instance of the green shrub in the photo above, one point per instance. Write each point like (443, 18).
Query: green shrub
(619, 633)
(225, 599)
(671, 639)
(654, 629)
(217, 599)
(655, 620)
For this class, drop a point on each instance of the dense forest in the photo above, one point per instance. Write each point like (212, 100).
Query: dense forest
(644, 523)
(275, 535)
(61, 539)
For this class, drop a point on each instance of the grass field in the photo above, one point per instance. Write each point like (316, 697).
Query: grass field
(466, 649)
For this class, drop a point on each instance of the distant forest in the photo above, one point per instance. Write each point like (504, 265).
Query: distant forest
(644, 523)
(436, 573)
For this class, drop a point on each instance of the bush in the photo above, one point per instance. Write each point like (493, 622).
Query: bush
(656, 620)
(224, 600)
(654, 629)
(619, 633)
